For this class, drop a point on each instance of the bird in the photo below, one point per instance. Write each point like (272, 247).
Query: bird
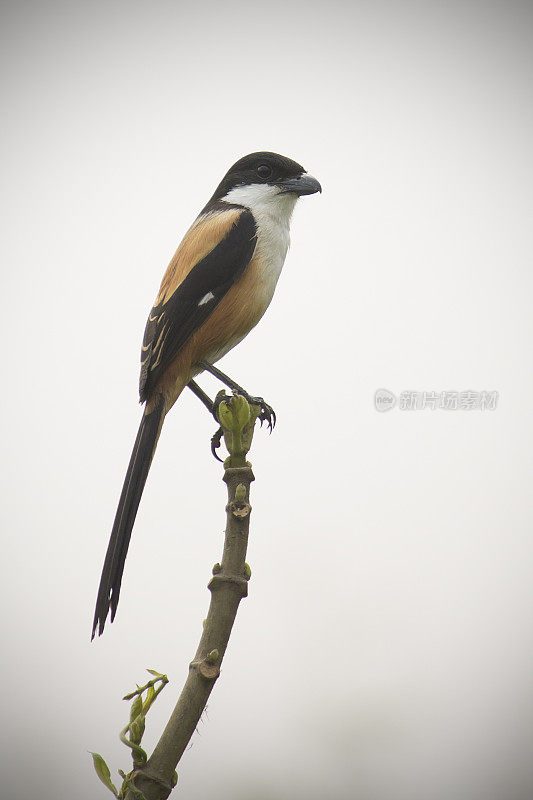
(218, 285)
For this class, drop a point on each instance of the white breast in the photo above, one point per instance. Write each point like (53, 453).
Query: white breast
(272, 211)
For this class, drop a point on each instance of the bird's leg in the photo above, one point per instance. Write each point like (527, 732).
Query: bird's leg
(267, 414)
(202, 396)
(216, 439)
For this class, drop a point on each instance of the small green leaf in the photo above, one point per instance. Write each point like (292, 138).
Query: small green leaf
(150, 696)
(137, 729)
(225, 417)
(136, 707)
(102, 770)
(156, 673)
(241, 411)
(240, 493)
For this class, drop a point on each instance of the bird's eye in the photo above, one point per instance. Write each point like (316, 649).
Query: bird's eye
(264, 171)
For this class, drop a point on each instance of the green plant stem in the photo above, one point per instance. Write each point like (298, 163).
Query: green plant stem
(228, 586)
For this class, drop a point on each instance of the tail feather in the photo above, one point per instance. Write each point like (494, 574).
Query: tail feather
(139, 466)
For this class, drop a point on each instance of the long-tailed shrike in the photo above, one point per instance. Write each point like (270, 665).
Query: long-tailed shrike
(217, 287)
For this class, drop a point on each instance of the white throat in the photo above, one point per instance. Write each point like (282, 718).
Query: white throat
(264, 199)
(272, 210)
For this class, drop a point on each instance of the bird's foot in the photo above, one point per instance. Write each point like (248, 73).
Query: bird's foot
(216, 441)
(267, 413)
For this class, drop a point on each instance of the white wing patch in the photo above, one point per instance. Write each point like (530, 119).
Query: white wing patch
(206, 298)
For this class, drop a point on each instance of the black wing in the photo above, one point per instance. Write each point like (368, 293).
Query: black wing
(172, 322)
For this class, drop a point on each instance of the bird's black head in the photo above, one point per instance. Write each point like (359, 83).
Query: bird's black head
(270, 169)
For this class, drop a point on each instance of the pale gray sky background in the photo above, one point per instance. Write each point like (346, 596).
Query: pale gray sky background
(385, 651)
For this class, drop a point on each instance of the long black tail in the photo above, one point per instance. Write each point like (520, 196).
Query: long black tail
(138, 469)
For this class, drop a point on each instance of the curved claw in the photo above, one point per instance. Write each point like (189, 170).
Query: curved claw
(216, 440)
(267, 414)
(272, 423)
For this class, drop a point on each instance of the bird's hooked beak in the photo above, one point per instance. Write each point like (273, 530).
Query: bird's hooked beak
(303, 184)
